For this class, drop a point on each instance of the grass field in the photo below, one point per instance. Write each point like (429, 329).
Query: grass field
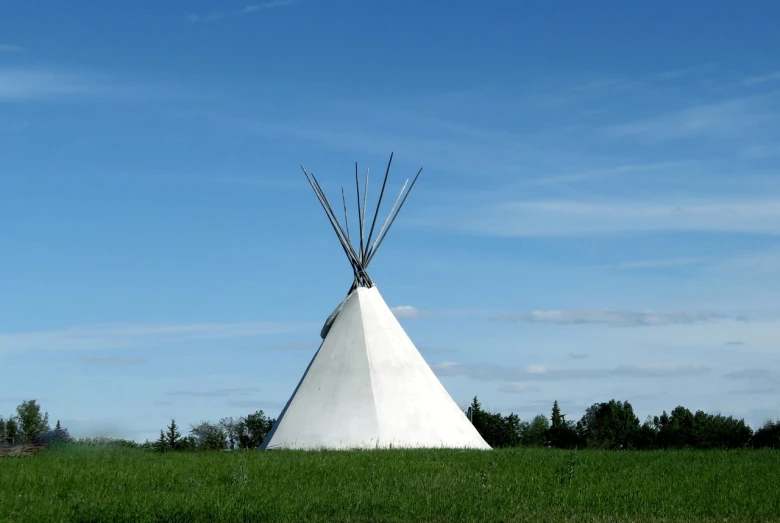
(109, 484)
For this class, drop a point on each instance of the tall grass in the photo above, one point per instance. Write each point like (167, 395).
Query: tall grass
(104, 484)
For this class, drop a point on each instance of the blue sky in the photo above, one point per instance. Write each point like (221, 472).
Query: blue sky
(598, 216)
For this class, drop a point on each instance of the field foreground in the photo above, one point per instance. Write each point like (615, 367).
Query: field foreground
(110, 484)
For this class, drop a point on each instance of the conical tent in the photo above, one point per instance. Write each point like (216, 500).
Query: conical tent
(368, 386)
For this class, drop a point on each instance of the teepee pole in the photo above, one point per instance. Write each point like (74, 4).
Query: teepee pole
(390, 214)
(335, 221)
(382, 238)
(360, 213)
(323, 201)
(357, 265)
(379, 203)
(346, 219)
(365, 206)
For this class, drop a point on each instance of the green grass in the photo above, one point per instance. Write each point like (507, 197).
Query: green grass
(104, 484)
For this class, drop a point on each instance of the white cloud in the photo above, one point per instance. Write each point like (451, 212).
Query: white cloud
(40, 84)
(722, 119)
(518, 388)
(612, 318)
(490, 372)
(27, 84)
(118, 336)
(110, 360)
(769, 150)
(763, 380)
(218, 15)
(235, 391)
(755, 80)
(656, 263)
(256, 404)
(10, 48)
(408, 312)
(562, 218)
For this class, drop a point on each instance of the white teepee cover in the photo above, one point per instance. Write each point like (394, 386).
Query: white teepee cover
(368, 387)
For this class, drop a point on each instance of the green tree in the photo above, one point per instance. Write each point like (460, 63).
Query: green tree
(768, 436)
(12, 431)
(497, 430)
(534, 434)
(610, 425)
(231, 431)
(675, 430)
(556, 419)
(647, 436)
(254, 428)
(31, 421)
(561, 434)
(3, 431)
(173, 436)
(718, 431)
(162, 442)
(209, 436)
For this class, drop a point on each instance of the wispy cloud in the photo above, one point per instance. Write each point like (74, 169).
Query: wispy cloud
(275, 182)
(490, 372)
(10, 48)
(761, 79)
(289, 346)
(562, 218)
(437, 350)
(118, 336)
(28, 84)
(734, 343)
(237, 391)
(764, 380)
(408, 312)
(721, 119)
(579, 355)
(518, 388)
(655, 264)
(42, 84)
(256, 404)
(755, 374)
(109, 360)
(612, 318)
(770, 150)
(252, 8)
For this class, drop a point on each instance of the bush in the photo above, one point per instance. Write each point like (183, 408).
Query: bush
(53, 437)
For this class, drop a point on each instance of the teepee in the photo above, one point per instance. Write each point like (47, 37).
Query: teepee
(368, 386)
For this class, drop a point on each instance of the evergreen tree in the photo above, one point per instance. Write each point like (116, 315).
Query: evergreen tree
(173, 436)
(556, 420)
(497, 430)
(561, 433)
(162, 443)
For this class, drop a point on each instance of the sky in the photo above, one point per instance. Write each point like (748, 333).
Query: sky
(598, 216)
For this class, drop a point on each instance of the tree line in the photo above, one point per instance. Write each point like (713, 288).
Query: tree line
(613, 425)
(30, 425)
(608, 425)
